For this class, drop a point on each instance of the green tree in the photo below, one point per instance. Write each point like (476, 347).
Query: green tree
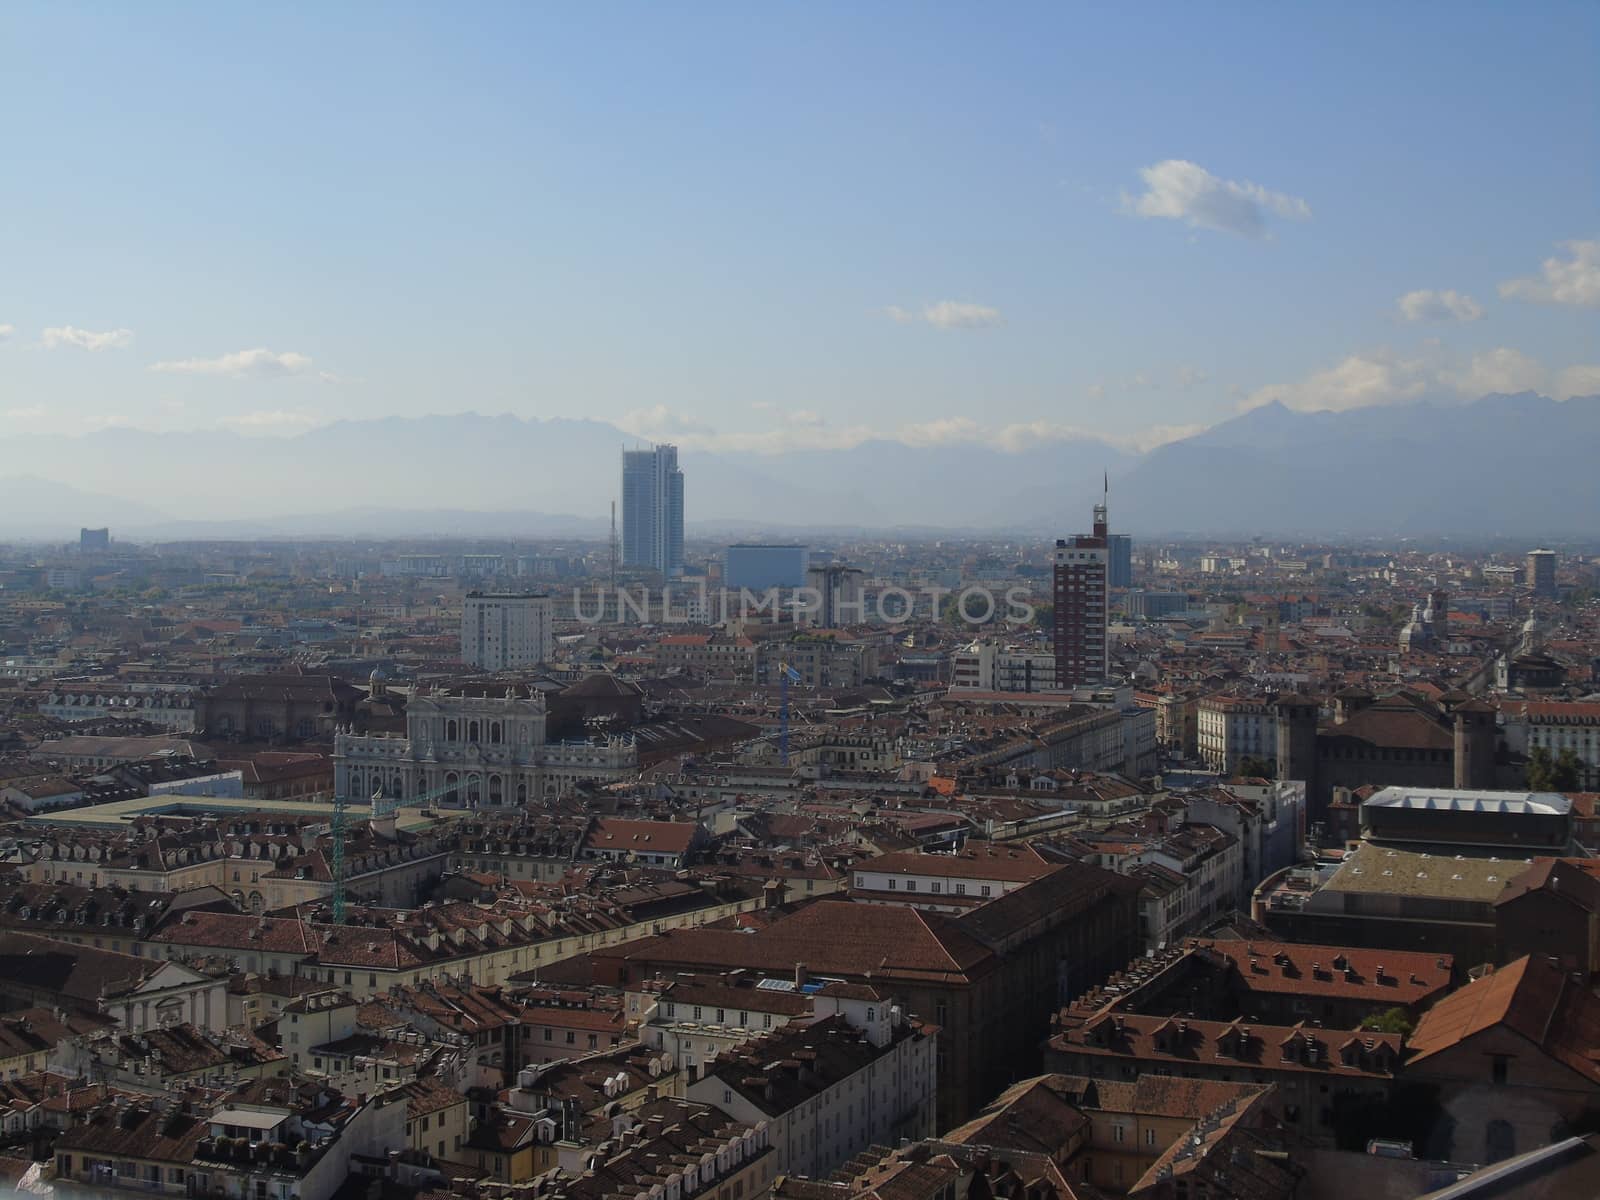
(1561, 773)
(1251, 767)
(1394, 1020)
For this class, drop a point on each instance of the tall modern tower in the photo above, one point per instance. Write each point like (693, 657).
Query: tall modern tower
(1542, 572)
(1082, 568)
(1121, 547)
(652, 510)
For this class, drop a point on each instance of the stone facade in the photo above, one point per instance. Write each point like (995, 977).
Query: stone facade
(472, 748)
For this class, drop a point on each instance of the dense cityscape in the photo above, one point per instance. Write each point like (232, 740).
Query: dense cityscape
(896, 601)
(657, 866)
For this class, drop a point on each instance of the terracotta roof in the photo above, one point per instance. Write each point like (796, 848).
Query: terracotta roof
(1340, 972)
(1151, 1095)
(1576, 880)
(831, 937)
(1017, 864)
(656, 837)
(1534, 998)
(1031, 1115)
(1230, 1045)
(1396, 721)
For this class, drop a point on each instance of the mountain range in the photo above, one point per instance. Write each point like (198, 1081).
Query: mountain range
(1501, 465)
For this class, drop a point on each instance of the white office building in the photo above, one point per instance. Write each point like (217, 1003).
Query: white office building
(501, 631)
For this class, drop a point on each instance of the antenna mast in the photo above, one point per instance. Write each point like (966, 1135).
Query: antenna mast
(613, 543)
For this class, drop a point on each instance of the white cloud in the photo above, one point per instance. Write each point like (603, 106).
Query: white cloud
(804, 429)
(659, 421)
(1499, 370)
(1384, 377)
(6, 331)
(1446, 305)
(259, 363)
(943, 431)
(948, 314)
(1178, 190)
(32, 412)
(85, 339)
(1580, 380)
(1188, 377)
(1575, 280)
(1360, 381)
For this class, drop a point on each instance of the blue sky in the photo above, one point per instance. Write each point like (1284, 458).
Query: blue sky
(773, 226)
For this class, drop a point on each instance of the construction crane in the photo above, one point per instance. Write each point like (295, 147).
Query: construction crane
(787, 675)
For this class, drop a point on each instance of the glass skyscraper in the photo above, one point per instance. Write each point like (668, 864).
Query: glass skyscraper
(652, 510)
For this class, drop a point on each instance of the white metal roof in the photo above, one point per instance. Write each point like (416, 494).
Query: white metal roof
(1545, 804)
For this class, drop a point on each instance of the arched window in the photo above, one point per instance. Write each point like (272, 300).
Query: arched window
(472, 731)
(494, 733)
(452, 782)
(497, 795)
(257, 903)
(474, 790)
(522, 791)
(450, 731)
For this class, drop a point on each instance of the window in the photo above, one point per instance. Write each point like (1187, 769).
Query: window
(986, 889)
(766, 1020)
(1117, 1132)
(1499, 1066)
(722, 1017)
(696, 1012)
(1149, 1137)
(571, 1038)
(549, 1034)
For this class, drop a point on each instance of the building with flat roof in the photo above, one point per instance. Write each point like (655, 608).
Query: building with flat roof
(1542, 573)
(1383, 896)
(1080, 575)
(1469, 820)
(652, 510)
(501, 630)
(767, 565)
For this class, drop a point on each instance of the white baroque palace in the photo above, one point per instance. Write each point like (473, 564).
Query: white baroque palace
(463, 750)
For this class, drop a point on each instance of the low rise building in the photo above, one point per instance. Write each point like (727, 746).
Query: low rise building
(827, 1090)
(1512, 1055)
(1316, 1073)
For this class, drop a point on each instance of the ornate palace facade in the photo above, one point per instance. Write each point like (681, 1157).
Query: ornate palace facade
(472, 747)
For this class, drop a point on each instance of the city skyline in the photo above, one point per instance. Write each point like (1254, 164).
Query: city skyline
(1080, 250)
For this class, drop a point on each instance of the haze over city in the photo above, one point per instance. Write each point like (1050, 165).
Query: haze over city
(799, 602)
(1047, 229)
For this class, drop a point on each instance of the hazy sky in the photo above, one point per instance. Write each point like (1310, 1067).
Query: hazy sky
(773, 225)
